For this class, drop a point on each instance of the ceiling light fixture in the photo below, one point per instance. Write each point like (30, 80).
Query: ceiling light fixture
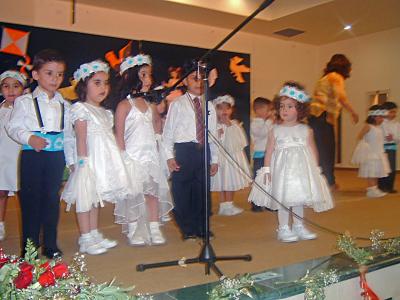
(347, 27)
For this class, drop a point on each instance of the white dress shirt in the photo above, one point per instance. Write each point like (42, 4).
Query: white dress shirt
(259, 130)
(180, 125)
(23, 118)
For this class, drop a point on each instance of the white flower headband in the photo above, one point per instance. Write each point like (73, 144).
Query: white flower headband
(294, 93)
(378, 112)
(132, 61)
(13, 74)
(224, 99)
(93, 67)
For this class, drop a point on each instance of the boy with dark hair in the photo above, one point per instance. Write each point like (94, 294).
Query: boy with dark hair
(391, 131)
(37, 122)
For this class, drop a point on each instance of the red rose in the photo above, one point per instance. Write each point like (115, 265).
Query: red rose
(25, 267)
(23, 280)
(45, 266)
(47, 279)
(3, 261)
(60, 270)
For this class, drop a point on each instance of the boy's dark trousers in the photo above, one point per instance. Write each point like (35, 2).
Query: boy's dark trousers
(257, 164)
(40, 177)
(188, 189)
(387, 183)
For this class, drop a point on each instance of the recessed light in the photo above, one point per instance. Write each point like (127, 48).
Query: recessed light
(347, 27)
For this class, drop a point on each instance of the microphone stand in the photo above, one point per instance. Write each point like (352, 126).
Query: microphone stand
(207, 254)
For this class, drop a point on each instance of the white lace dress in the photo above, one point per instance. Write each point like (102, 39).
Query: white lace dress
(143, 164)
(295, 176)
(233, 169)
(9, 154)
(370, 155)
(103, 177)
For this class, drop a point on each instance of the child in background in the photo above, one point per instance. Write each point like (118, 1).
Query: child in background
(391, 132)
(259, 129)
(230, 177)
(99, 173)
(136, 127)
(37, 122)
(12, 85)
(369, 153)
(291, 173)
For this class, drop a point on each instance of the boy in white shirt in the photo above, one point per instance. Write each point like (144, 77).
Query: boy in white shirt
(37, 122)
(183, 140)
(259, 128)
(391, 131)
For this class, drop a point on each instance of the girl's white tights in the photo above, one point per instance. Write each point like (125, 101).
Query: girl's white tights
(283, 216)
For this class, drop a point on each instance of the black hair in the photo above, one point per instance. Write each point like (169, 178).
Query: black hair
(372, 119)
(261, 101)
(389, 105)
(339, 63)
(302, 108)
(46, 55)
(81, 90)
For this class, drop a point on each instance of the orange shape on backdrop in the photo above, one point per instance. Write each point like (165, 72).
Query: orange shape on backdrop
(237, 69)
(14, 41)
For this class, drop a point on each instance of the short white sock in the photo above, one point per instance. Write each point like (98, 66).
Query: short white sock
(1, 224)
(94, 232)
(86, 236)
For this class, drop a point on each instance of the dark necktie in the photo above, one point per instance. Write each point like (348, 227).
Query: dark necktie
(199, 120)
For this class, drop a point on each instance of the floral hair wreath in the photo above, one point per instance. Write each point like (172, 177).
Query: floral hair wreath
(378, 112)
(132, 61)
(294, 93)
(93, 67)
(13, 74)
(224, 99)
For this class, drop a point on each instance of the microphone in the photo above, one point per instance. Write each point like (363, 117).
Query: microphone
(153, 96)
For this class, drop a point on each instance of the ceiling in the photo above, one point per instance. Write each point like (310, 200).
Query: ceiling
(321, 20)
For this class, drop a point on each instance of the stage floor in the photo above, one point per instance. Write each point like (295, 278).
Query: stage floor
(248, 233)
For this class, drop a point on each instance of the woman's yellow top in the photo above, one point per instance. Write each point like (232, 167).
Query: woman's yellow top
(329, 96)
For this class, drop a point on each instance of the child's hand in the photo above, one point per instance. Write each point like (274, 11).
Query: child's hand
(213, 169)
(71, 168)
(172, 165)
(37, 143)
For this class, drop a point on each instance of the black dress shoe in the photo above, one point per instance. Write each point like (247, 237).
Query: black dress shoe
(202, 235)
(392, 191)
(189, 237)
(256, 208)
(52, 253)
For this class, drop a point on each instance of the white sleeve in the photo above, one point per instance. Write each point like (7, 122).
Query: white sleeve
(212, 127)
(15, 127)
(69, 136)
(169, 130)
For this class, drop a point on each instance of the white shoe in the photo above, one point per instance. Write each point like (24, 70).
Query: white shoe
(90, 246)
(374, 192)
(286, 235)
(105, 243)
(229, 209)
(156, 235)
(2, 232)
(303, 233)
(133, 238)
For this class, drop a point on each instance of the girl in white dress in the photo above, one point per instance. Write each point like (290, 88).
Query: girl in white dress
(291, 173)
(369, 153)
(233, 167)
(99, 173)
(136, 129)
(12, 85)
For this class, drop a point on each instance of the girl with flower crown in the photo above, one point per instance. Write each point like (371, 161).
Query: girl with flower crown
(99, 173)
(291, 174)
(137, 135)
(370, 153)
(233, 167)
(12, 85)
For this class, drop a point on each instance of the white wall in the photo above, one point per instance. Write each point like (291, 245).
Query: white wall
(376, 66)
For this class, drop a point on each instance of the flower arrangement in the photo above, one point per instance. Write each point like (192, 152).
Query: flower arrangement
(233, 288)
(37, 279)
